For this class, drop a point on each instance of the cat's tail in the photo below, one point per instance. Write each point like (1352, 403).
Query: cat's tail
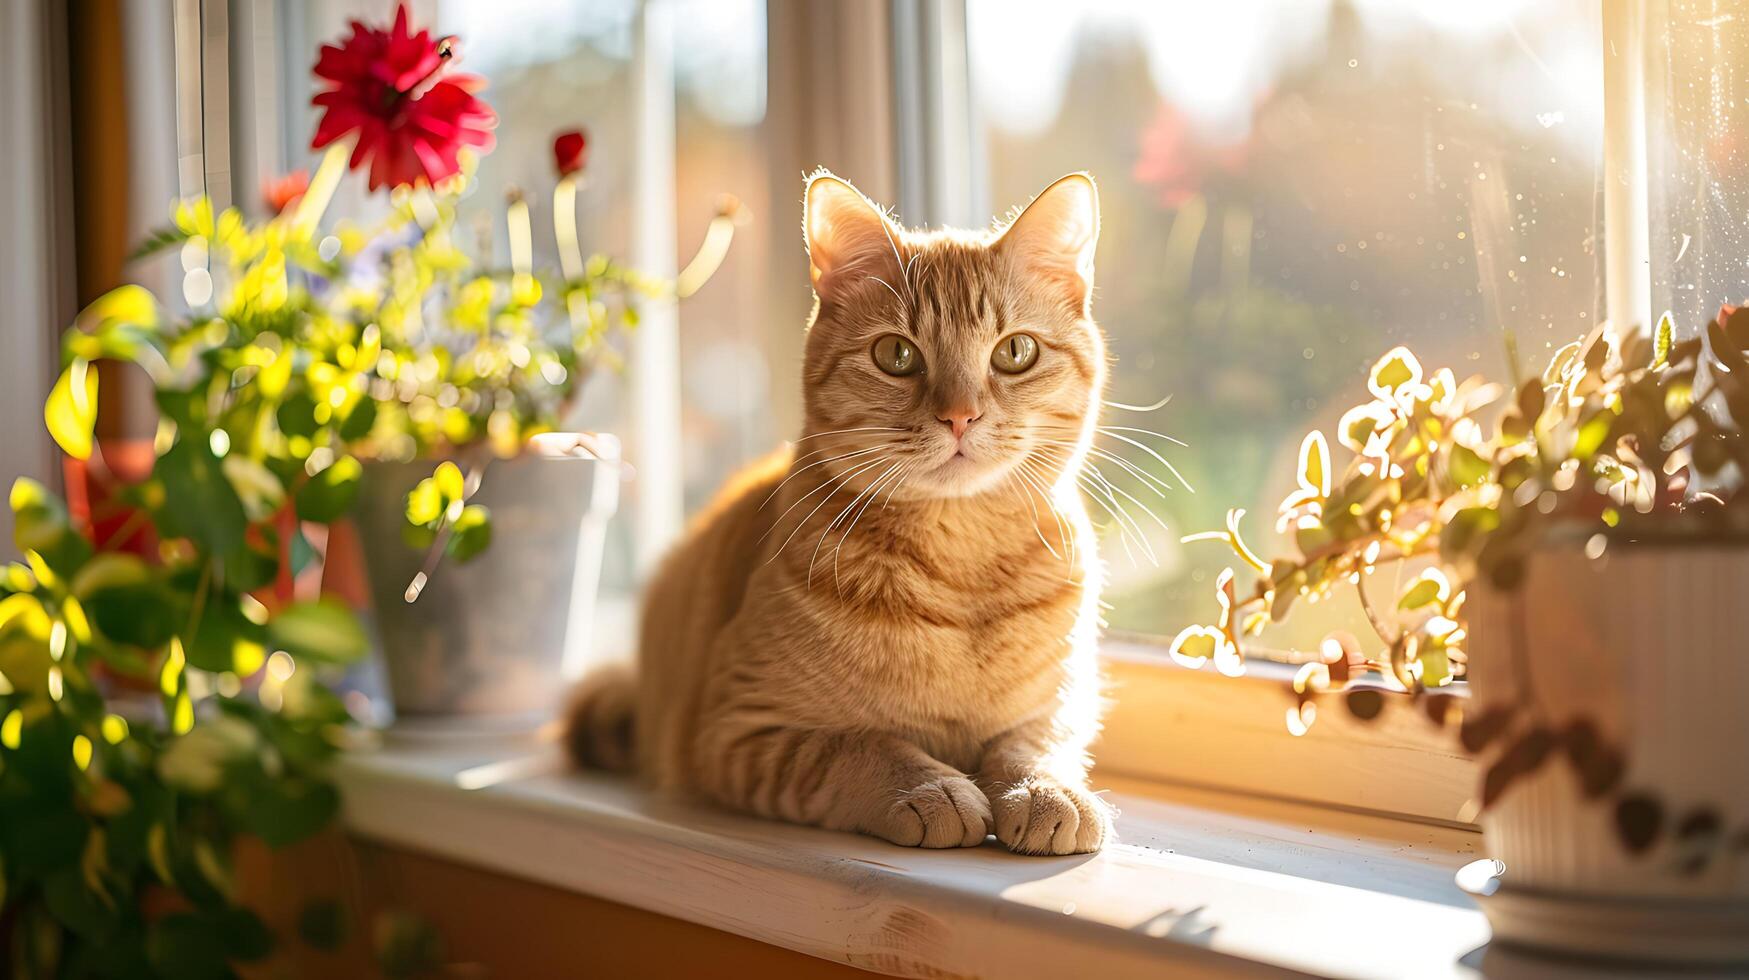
(600, 721)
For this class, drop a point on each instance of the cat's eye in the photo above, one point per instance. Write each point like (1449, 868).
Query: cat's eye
(896, 355)
(1015, 353)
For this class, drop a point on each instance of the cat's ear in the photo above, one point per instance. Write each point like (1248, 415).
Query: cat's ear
(849, 239)
(1055, 236)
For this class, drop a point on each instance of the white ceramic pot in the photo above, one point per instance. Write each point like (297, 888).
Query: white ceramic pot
(1650, 643)
(492, 642)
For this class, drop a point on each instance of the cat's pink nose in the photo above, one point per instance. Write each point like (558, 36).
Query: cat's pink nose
(959, 419)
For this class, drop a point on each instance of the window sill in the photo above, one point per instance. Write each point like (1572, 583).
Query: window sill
(1169, 724)
(1200, 881)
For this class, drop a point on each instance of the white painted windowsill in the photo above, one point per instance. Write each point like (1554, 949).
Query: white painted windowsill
(1201, 883)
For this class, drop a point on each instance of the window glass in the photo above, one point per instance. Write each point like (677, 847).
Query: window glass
(1698, 113)
(1289, 189)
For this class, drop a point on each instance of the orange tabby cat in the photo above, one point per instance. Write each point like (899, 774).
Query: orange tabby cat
(891, 627)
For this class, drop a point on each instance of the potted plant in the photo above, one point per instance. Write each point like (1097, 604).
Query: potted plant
(1574, 556)
(391, 370)
(162, 697)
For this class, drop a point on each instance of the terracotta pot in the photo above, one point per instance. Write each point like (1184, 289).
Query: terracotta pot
(1650, 644)
(492, 641)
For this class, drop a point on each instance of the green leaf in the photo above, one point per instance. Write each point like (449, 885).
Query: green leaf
(330, 494)
(130, 304)
(1435, 667)
(323, 630)
(248, 567)
(285, 811)
(1467, 467)
(472, 533)
(75, 906)
(141, 614)
(297, 415)
(199, 502)
(448, 478)
(424, 503)
(1394, 370)
(1315, 463)
(222, 629)
(1591, 435)
(1664, 339)
(110, 569)
(40, 524)
(1464, 534)
(1419, 595)
(71, 411)
(359, 421)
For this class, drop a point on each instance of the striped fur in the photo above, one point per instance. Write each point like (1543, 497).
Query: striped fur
(863, 632)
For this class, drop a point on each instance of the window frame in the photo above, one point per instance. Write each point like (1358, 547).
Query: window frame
(899, 118)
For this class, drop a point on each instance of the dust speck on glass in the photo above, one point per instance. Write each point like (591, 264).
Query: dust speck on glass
(1289, 189)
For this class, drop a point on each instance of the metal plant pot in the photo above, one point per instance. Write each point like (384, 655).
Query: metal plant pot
(494, 640)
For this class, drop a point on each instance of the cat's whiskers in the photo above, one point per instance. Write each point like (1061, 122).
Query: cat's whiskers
(1137, 408)
(1116, 432)
(1027, 477)
(858, 428)
(838, 481)
(841, 514)
(1017, 481)
(1147, 432)
(1149, 480)
(1037, 471)
(1105, 494)
(795, 472)
(874, 489)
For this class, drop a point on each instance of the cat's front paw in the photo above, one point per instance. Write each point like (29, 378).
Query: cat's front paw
(947, 812)
(1043, 816)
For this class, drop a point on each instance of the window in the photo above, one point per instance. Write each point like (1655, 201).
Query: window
(1290, 189)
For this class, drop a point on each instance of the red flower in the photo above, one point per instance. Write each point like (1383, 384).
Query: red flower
(570, 149)
(393, 89)
(281, 193)
(1175, 163)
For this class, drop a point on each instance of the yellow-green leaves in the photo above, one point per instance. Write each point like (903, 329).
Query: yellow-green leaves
(1397, 369)
(1196, 645)
(448, 478)
(1663, 340)
(1315, 464)
(330, 493)
(1429, 588)
(71, 411)
(323, 630)
(1467, 467)
(129, 305)
(437, 512)
(472, 533)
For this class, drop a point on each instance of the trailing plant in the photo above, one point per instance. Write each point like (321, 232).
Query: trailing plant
(1621, 435)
